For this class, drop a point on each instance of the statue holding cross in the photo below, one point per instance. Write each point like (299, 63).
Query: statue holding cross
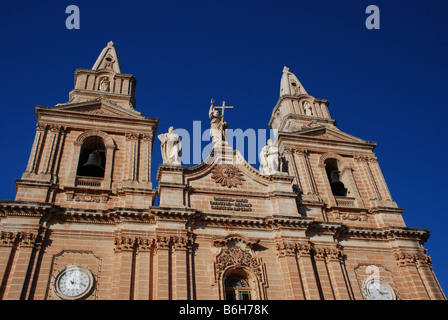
(218, 126)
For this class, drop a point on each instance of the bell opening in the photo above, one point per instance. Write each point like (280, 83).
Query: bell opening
(92, 158)
(337, 186)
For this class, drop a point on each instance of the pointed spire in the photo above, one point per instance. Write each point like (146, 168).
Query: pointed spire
(108, 59)
(105, 79)
(290, 85)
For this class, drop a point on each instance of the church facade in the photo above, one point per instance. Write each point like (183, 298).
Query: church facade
(316, 222)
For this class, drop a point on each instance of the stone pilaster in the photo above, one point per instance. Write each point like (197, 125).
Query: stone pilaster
(310, 284)
(292, 280)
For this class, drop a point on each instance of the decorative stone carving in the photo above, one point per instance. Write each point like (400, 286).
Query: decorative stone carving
(25, 239)
(286, 249)
(404, 258)
(125, 243)
(136, 244)
(86, 197)
(8, 238)
(171, 147)
(227, 175)
(365, 157)
(312, 124)
(235, 256)
(351, 216)
(132, 136)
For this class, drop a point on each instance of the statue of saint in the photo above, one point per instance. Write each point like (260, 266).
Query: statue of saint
(269, 159)
(171, 147)
(218, 126)
(308, 108)
(104, 84)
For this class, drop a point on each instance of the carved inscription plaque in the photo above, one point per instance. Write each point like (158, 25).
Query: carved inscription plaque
(230, 204)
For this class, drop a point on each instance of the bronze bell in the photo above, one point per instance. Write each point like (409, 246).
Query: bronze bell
(334, 176)
(93, 167)
(337, 187)
(94, 160)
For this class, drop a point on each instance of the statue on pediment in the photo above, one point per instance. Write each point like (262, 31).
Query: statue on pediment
(269, 159)
(171, 147)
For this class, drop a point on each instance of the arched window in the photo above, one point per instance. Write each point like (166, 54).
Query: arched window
(237, 286)
(92, 158)
(337, 187)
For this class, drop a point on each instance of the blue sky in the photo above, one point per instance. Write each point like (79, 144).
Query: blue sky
(386, 85)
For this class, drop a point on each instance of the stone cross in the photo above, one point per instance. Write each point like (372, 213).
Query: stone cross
(223, 107)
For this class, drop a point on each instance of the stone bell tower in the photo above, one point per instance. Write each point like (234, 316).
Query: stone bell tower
(95, 150)
(333, 170)
(339, 184)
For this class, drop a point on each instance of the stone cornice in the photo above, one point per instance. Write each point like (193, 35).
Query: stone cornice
(170, 168)
(20, 208)
(386, 233)
(194, 218)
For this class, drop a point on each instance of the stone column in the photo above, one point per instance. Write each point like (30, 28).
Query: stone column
(37, 244)
(379, 178)
(144, 291)
(36, 150)
(146, 155)
(411, 276)
(21, 266)
(108, 167)
(287, 257)
(372, 187)
(293, 168)
(310, 284)
(323, 273)
(133, 150)
(335, 260)
(53, 146)
(309, 186)
(125, 247)
(347, 175)
(57, 161)
(424, 267)
(9, 243)
(71, 181)
(180, 279)
(164, 275)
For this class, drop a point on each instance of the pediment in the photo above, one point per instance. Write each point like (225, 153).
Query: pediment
(228, 186)
(232, 174)
(330, 134)
(99, 106)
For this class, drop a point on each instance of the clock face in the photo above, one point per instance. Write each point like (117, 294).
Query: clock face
(377, 289)
(73, 282)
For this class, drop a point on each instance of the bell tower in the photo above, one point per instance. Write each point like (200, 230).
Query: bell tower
(95, 150)
(335, 174)
(296, 109)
